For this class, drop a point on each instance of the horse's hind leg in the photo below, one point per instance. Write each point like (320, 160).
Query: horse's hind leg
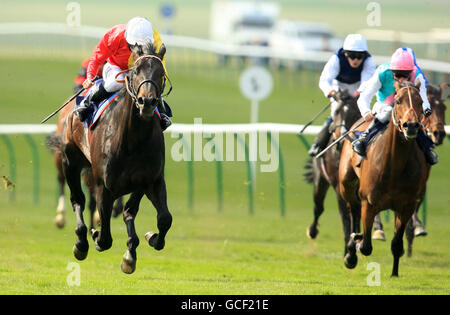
(72, 171)
(158, 196)
(129, 214)
(378, 232)
(321, 186)
(60, 219)
(346, 221)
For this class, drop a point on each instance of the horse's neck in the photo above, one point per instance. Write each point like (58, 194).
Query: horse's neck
(132, 131)
(395, 151)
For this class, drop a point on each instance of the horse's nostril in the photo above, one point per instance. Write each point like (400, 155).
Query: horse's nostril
(405, 125)
(140, 100)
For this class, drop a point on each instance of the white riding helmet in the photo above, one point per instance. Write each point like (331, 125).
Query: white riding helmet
(355, 42)
(139, 31)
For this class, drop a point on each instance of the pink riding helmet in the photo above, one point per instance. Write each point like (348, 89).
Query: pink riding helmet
(402, 60)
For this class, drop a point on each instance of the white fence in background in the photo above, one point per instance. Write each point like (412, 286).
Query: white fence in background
(199, 44)
(188, 128)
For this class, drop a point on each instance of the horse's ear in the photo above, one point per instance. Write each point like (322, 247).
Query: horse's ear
(417, 84)
(445, 91)
(397, 85)
(136, 50)
(162, 51)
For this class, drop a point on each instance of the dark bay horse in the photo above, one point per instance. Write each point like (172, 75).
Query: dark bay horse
(323, 171)
(60, 219)
(392, 176)
(126, 154)
(436, 131)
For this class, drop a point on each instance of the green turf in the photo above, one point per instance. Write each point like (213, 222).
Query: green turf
(207, 251)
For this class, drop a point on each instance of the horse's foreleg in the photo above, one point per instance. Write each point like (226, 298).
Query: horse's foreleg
(129, 214)
(320, 190)
(397, 242)
(102, 238)
(368, 214)
(158, 196)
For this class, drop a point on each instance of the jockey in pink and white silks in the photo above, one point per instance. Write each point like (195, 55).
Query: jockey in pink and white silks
(400, 68)
(348, 69)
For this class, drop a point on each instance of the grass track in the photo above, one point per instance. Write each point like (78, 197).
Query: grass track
(206, 252)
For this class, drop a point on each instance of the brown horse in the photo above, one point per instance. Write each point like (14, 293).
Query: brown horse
(323, 171)
(436, 131)
(60, 219)
(393, 176)
(126, 154)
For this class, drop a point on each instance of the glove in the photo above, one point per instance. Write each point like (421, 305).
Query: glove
(427, 112)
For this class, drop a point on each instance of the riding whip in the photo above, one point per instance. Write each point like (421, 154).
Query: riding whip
(315, 117)
(67, 102)
(339, 139)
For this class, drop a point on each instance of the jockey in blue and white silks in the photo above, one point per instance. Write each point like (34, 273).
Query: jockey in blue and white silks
(348, 69)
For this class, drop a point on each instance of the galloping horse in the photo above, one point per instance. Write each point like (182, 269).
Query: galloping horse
(436, 131)
(126, 153)
(60, 219)
(323, 172)
(393, 176)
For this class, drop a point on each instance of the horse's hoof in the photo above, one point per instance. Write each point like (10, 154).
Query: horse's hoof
(420, 231)
(312, 233)
(379, 235)
(151, 239)
(128, 264)
(79, 255)
(350, 261)
(60, 220)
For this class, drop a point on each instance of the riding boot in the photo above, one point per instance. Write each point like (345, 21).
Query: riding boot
(96, 95)
(322, 138)
(427, 146)
(360, 144)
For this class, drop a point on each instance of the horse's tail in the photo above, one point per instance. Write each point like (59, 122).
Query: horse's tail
(308, 175)
(53, 142)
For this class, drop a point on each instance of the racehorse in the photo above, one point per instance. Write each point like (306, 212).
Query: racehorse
(436, 131)
(393, 175)
(323, 171)
(126, 153)
(60, 219)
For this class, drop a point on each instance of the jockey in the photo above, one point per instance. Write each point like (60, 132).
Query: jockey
(400, 68)
(115, 48)
(348, 69)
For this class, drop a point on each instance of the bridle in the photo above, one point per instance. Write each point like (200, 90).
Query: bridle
(397, 121)
(132, 91)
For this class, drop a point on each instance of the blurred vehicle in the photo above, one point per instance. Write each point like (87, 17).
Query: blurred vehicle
(297, 37)
(242, 22)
